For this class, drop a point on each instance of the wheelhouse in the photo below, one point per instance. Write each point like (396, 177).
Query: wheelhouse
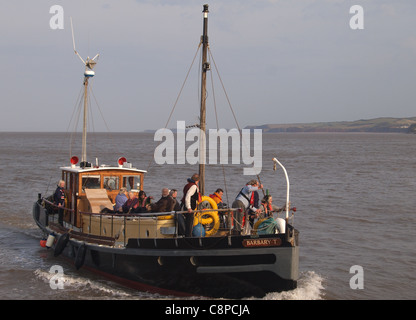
(111, 179)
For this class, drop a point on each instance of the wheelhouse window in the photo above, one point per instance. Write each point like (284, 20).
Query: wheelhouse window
(111, 182)
(131, 182)
(91, 182)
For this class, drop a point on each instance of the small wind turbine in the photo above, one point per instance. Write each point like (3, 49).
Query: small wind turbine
(88, 73)
(89, 63)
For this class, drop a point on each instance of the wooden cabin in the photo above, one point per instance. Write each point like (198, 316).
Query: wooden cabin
(80, 183)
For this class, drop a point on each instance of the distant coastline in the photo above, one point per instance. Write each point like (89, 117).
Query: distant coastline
(377, 125)
(380, 125)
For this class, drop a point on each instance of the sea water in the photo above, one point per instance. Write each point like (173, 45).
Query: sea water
(354, 195)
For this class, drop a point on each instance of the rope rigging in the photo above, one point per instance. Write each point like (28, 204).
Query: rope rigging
(215, 107)
(211, 59)
(177, 98)
(76, 115)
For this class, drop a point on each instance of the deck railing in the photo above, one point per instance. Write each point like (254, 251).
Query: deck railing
(56, 210)
(122, 226)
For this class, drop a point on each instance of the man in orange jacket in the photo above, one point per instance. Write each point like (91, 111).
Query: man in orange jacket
(217, 196)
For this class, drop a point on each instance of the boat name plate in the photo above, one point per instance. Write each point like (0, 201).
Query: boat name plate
(249, 243)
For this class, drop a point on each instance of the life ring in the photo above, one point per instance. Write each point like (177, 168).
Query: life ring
(61, 244)
(80, 256)
(209, 218)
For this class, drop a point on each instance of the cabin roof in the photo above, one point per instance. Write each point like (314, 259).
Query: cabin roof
(78, 169)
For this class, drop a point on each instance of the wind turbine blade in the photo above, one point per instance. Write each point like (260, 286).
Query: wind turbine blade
(73, 39)
(73, 42)
(96, 56)
(80, 57)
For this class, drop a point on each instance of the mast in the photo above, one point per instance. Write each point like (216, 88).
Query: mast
(88, 73)
(202, 125)
(84, 127)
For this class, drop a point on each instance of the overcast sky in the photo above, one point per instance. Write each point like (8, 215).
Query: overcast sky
(280, 61)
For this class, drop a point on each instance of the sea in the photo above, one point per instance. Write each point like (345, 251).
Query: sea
(354, 195)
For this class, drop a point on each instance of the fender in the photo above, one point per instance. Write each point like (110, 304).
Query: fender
(61, 244)
(80, 256)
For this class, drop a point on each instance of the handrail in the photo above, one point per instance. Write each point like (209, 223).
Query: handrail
(56, 206)
(151, 214)
(64, 209)
(128, 216)
(143, 214)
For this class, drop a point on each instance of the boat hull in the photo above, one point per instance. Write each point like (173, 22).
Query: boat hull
(219, 267)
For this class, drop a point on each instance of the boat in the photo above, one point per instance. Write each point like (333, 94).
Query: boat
(146, 251)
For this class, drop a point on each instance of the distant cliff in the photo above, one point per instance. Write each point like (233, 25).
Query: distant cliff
(386, 125)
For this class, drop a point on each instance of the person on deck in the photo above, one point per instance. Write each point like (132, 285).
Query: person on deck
(174, 193)
(131, 204)
(245, 201)
(191, 197)
(143, 203)
(217, 196)
(144, 199)
(164, 204)
(121, 199)
(267, 207)
(253, 210)
(266, 211)
(59, 200)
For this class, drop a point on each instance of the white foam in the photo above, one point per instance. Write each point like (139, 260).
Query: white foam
(80, 284)
(310, 287)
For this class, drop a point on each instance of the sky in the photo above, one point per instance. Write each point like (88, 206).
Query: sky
(280, 61)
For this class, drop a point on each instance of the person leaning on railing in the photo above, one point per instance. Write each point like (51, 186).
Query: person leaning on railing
(267, 207)
(244, 201)
(59, 200)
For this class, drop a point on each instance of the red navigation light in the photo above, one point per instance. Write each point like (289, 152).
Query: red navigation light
(121, 160)
(74, 160)
(294, 209)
